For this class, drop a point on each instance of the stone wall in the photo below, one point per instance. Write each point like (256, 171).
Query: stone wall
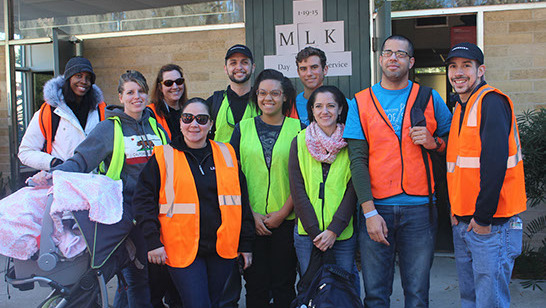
(200, 54)
(515, 57)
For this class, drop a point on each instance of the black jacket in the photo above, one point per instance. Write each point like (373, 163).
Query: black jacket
(146, 200)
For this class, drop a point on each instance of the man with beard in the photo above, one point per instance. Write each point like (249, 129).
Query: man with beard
(227, 108)
(485, 182)
(389, 158)
(230, 106)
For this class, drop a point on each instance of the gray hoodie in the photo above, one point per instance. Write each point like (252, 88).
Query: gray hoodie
(139, 139)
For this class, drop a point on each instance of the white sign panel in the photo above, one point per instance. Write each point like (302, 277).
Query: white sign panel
(339, 63)
(286, 39)
(307, 11)
(328, 36)
(285, 64)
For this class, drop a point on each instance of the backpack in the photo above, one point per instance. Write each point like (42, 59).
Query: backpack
(326, 285)
(49, 123)
(438, 160)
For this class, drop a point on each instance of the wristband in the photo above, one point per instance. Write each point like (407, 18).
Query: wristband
(370, 214)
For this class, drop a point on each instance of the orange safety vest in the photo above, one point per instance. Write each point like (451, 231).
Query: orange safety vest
(46, 124)
(179, 204)
(396, 166)
(463, 161)
(161, 120)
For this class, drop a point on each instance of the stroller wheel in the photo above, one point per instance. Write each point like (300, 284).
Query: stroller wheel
(51, 302)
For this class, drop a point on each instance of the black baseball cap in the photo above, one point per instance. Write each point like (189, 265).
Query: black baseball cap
(466, 50)
(239, 48)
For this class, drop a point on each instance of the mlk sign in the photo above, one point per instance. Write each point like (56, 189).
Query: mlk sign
(309, 30)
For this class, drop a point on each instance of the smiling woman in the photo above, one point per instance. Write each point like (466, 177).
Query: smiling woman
(74, 103)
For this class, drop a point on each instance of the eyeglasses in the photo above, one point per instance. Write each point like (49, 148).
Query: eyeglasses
(169, 83)
(273, 93)
(201, 119)
(400, 54)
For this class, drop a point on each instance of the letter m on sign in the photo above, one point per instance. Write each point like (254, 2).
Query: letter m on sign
(285, 39)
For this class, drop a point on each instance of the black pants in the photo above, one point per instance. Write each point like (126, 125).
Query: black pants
(273, 270)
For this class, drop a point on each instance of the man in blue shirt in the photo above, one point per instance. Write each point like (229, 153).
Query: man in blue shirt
(390, 177)
(312, 69)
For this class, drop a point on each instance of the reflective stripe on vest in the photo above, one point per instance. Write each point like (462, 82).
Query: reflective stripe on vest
(472, 121)
(179, 214)
(161, 120)
(46, 122)
(118, 151)
(334, 187)
(225, 122)
(396, 165)
(268, 189)
(463, 161)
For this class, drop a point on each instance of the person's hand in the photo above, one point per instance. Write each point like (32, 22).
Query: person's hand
(473, 225)
(261, 229)
(454, 220)
(325, 240)
(421, 136)
(377, 229)
(40, 179)
(247, 258)
(157, 256)
(274, 219)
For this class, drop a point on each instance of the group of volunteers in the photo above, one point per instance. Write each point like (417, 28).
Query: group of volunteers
(255, 178)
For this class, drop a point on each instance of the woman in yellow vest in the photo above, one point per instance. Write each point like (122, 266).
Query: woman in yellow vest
(193, 209)
(263, 145)
(169, 93)
(320, 182)
(124, 141)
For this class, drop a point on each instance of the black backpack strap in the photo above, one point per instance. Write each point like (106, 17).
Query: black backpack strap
(55, 119)
(417, 116)
(217, 99)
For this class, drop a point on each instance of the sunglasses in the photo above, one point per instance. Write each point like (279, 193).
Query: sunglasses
(201, 119)
(169, 83)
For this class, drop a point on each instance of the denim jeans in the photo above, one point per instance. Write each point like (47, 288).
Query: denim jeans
(411, 234)
(485, 263)
(232, 290)
(138, 290)
(344, 253)
(200, 285)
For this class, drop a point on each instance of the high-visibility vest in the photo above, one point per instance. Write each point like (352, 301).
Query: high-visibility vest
(161, 120)
(463, 161)
(118, 152)
(179, 204)
(49, 125)
(396, 164)
(225, 122)
(268, 188)
(333, 189)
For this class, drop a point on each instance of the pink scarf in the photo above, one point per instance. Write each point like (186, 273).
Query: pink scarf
(322, 147)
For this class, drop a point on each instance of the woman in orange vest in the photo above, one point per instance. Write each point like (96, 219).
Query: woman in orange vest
(193, 209)
(169, 93)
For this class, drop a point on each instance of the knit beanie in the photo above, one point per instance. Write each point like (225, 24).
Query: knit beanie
(76, 65)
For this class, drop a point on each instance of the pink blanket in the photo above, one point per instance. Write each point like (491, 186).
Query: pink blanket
(22, 212)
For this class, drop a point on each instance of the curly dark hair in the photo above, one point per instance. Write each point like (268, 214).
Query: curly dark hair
(287, 88)
(311, 51)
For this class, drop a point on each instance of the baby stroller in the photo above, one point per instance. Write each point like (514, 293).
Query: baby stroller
(79, 281)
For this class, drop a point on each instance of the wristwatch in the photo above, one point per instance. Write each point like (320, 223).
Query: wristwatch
(439, 142)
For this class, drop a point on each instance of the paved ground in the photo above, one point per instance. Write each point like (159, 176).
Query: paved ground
(444, 290)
